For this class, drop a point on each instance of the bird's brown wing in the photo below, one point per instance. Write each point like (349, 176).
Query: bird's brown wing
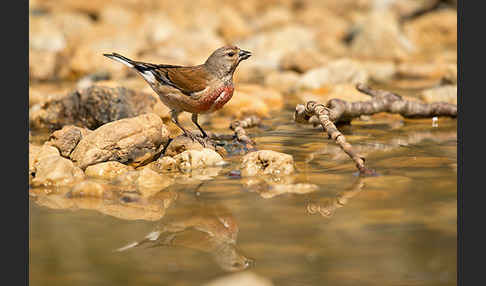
(188, 80)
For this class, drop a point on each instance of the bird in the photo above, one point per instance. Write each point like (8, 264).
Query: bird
(199, 89)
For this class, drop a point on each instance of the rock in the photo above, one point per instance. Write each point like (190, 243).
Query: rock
(163, 165)
(89, 189)
(45, 35)
(302, 61)
(91, 108)
(379, 36)
(42, 65)
(50, 169)
(133, 141)
(195, 159)
(285, 82)
(380, 71)
(246, 278)
(87, 53)
(274, 17)
(336, 72)
(33, 152)
(107, 170)
(146, 181)
(433, 32)
(150, 182)
(446, 93)
(181, 144)
(266, 162)
(450, 74)
(158, 27)
(270, 46)
(250, 99)
(347, 92)
(421, 70)
(175, 48)
(66, 139)
(40, 92)
(331, 29)
(232, 26)
(404, 9)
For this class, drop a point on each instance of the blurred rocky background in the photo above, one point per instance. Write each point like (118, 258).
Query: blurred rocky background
(300, 48)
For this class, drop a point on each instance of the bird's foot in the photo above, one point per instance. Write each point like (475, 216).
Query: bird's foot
(204, 141)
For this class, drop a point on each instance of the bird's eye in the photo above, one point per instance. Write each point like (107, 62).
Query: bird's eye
(231, 54)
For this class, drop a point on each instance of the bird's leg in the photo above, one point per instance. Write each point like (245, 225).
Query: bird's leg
(174, 115)
(194, 119)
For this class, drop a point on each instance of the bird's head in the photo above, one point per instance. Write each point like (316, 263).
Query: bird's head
(224, 61)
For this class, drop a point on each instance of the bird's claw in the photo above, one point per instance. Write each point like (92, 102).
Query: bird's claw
(204, 141)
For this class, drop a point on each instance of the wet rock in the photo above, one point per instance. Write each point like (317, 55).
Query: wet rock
(195, 159)
(50, 169)
(107, 170)
(146, 181)
(302, 61)
(132, 141)
(33, 152)
(66, 139)
(89, 189)
(446, 93)
(266, 162)
(181, 144)
(250, 99)
(435, 31)
(285, 82)
(163, 165)
(335, 72)
(245, 278)
(91, 108)
(379, 37)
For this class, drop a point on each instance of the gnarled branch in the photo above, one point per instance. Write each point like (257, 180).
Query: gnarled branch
(337, 110)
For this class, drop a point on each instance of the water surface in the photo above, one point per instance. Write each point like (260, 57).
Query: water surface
(398, 228)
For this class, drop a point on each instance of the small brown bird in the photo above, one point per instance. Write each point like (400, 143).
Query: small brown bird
(196, 89)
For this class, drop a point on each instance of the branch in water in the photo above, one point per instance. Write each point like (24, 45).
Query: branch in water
(238, 126)
(337, 110)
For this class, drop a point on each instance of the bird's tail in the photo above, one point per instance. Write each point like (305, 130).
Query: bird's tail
(121, 59)
(153, 236)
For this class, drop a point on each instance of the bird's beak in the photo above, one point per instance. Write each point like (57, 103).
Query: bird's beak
(244, 54)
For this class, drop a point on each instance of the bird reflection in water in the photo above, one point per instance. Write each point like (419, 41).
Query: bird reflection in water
(209, 228)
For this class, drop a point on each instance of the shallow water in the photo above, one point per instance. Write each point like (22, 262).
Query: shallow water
(398, 228)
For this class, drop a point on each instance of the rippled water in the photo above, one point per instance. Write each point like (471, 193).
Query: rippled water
(398, 228)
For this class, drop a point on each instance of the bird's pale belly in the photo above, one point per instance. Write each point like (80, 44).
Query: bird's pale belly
(206, 102)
